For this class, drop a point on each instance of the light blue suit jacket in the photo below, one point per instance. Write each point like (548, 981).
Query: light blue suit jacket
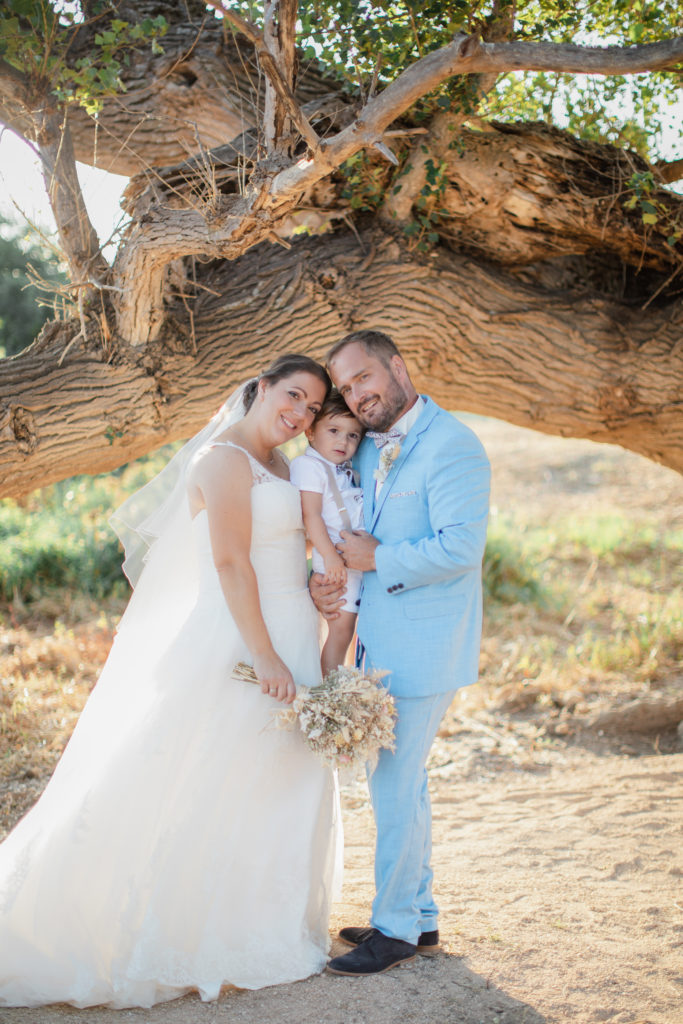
(420, 613)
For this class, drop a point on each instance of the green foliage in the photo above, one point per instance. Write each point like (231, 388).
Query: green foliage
(39, 39)
(631, 111)
(366, 181)
(22, 260)
(428, 206)
(509, 576)
(356, 38)
(643, 197)
(61, 537)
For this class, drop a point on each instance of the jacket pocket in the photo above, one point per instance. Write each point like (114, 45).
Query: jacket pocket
(428, 607)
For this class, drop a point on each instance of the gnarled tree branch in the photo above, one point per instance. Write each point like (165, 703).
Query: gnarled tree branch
(474, 338)
(77, 236)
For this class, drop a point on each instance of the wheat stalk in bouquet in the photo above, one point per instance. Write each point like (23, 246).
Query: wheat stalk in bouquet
(346, 719)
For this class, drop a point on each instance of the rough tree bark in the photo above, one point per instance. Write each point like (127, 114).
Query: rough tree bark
(476, 339)
(545, 301)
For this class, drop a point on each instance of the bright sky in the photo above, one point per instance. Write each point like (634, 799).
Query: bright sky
(22, 192)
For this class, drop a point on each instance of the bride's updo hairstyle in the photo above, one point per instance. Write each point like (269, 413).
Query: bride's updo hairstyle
(285, 366)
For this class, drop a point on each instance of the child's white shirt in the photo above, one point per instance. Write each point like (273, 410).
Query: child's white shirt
(308, 473)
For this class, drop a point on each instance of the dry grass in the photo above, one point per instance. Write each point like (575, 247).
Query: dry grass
(48, 667)
(600, 531)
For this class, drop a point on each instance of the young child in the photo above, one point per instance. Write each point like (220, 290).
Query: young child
(330, 503)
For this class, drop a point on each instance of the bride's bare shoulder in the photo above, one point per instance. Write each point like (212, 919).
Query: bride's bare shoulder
(218, 470)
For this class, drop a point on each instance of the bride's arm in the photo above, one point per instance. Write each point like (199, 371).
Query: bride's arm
(221, 482)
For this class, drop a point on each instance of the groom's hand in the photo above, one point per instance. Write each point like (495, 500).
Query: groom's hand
(327, 597)
(358, 550)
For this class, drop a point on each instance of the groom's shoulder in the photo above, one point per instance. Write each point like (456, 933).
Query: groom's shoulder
(446, 428)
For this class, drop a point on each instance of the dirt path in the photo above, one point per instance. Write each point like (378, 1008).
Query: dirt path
(561, 889)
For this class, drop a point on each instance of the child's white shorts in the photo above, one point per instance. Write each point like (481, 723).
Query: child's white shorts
(354, 578)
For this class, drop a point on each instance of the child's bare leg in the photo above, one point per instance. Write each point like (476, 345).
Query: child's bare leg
(339, 637)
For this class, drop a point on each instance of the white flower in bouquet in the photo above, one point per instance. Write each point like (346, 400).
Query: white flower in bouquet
(345, 720)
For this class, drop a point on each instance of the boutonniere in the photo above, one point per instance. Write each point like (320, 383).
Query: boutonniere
(387, 458)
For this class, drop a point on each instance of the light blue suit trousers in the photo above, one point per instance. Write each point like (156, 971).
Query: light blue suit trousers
(420, 619)
(404, 906)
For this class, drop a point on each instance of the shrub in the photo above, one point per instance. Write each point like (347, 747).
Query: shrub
(60, 537)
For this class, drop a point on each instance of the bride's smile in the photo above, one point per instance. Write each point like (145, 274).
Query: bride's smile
(290, 405)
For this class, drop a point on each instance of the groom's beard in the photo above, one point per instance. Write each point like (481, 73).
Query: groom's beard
(386, 409)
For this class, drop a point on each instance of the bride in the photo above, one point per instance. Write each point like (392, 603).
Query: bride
(184, 843)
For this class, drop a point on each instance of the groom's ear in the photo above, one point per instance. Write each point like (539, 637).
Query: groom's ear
(400, 369)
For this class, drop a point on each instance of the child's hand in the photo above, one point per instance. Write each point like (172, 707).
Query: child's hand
(335, 570)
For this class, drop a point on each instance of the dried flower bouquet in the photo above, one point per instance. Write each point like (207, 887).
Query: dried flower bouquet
(346, 719)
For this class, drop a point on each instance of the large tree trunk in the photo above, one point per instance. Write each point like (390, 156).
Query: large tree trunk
(577, 331)
(474, 338)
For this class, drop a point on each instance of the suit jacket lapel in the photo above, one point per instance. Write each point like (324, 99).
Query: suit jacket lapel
(368, 459)
(413, 438)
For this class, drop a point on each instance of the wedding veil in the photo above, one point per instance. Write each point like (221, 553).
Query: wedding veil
(157, 532)
(161, 504)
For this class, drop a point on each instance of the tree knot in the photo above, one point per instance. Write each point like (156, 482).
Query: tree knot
(23, 427)
(618, 398)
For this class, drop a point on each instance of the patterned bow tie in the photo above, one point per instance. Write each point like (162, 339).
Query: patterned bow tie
(381, 438)
(346, 469)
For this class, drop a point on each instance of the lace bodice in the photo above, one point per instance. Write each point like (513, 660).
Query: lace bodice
(260, 473)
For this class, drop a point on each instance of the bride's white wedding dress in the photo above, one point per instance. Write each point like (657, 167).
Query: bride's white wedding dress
(196, 845)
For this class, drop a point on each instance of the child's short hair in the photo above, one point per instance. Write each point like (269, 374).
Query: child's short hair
(334, 405)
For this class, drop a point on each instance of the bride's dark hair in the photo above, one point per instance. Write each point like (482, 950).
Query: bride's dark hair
(286, 366)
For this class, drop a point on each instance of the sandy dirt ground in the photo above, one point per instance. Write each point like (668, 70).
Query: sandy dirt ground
(561, 890)
(559, 875)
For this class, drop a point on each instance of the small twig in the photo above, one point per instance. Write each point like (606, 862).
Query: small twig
(92, 282)
(387, 153)
(280, 241)
(193, 333)
(82, 333)
(664, 285)
(188, 53)
(375, 76)
(272, 71)
(69, 347)
(348, 220)
(205, 288)
(361, 91)
(396, 132)
(414, 28)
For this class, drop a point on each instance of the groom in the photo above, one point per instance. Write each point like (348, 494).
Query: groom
(425, 479)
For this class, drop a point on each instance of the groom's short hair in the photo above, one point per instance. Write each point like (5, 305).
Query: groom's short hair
(375, 343)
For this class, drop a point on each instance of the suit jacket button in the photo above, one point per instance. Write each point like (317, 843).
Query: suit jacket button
(400, 586)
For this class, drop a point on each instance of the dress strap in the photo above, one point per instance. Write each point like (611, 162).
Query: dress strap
(259, 472)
